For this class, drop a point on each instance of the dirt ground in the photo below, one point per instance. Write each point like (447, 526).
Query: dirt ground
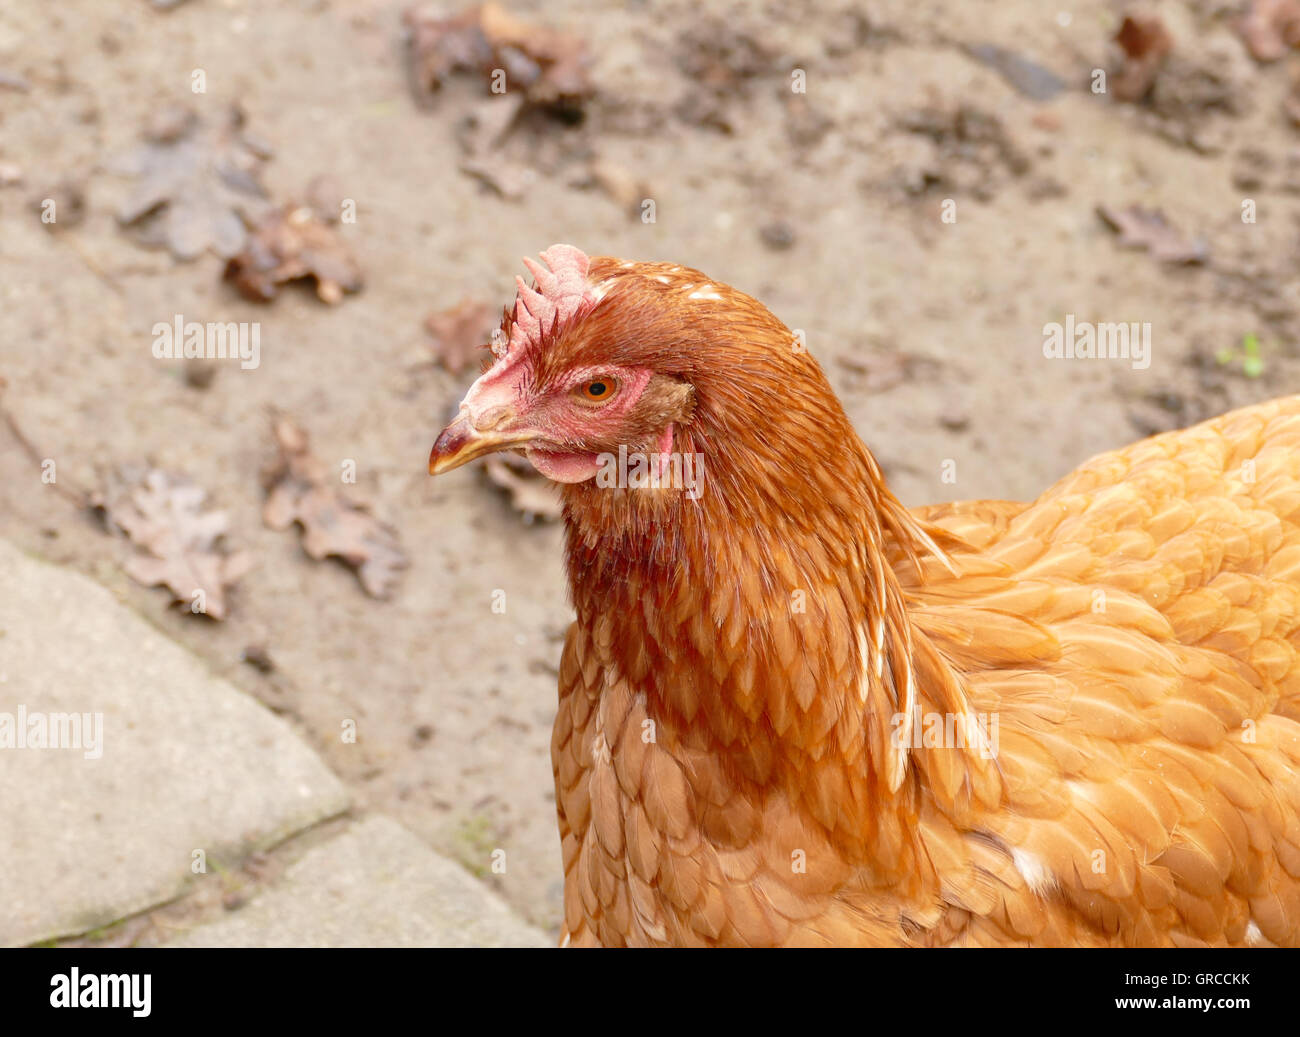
(827, 205)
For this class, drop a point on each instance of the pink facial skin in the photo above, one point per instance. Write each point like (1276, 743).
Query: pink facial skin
(503, 398)
(579, 466)
(563, 466)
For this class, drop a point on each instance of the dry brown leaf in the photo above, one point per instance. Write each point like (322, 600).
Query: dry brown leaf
(1271, 28)
(1148, 229)
(531, 493)
(179, 545)
(1146, 43)
(1143, 38)
(547, 66)
(460, 332)
(196, 186)
(292, 243)
(333, 525)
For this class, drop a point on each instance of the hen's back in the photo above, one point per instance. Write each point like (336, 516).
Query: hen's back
(1136, 631)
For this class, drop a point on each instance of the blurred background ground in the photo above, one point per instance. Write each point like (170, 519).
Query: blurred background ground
(825, 204)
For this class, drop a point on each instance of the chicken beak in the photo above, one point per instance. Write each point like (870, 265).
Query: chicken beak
(460, 442)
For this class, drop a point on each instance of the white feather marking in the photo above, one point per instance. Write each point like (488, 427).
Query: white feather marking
(938, 552)
(661, 278)
(909, 703)
(1033, 870)
(599, 744)
(706, 292)
(1253, 936)
(863, 654)
(879, 628)
(901, 744)
(1078, 789)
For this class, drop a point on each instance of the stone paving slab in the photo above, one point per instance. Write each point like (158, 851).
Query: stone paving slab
(376, 885)
(182, 761)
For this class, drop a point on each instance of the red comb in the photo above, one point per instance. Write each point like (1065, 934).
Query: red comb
(562, 293)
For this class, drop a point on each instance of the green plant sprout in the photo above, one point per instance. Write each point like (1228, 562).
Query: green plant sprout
(1252, 363)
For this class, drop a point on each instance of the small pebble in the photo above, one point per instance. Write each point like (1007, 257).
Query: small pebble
(777, 236)
(258, 658)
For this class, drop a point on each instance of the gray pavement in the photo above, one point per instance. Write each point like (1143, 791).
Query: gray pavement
(376, 885)
(123, 759)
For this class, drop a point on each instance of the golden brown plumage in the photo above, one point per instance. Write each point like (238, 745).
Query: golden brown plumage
(793, 712)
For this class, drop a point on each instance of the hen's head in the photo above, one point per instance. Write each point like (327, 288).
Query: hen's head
(602, 354)
(692, 594)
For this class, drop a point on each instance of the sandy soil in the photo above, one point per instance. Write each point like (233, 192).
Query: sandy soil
(932, 332)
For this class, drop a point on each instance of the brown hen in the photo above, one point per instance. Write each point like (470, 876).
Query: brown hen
(794, 712)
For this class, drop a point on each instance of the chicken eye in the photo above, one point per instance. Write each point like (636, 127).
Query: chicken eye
(598, 390)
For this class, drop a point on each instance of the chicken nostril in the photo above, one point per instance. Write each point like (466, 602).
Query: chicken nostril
(490, 419)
